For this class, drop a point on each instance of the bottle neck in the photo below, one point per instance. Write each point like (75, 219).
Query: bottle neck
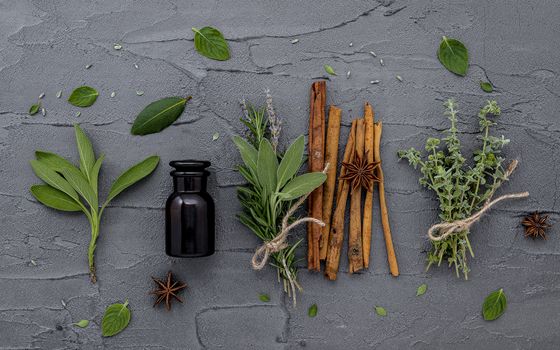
(189, 183)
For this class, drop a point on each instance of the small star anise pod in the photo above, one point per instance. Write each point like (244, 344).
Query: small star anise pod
(166, 290)
(360, 172)
(536, 225)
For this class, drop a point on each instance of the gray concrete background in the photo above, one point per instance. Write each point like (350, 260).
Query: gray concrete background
(45, 46)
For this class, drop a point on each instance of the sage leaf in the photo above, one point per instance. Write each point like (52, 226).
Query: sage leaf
(421, 289)
(209, 42)
(329, 69)
(379, 310)
(84, 96)
(264, 298)
(494, 305)
(52, 160)
(453, 55)
(312, 311)
(131, 176)
(52, 178)
(290, 162)
(85, 149)
(81, 185)
(34, 109)
(247, 151)
(486, 86)
(82, 323)
(267, 165)
(115, 320)
(302, 185)
(95, 173)
(53, 198)
(159, 115)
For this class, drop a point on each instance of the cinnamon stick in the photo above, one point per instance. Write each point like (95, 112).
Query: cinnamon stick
(368, 204)
(331, 157)
(336, 235)
(355, 253)
(316, 163)
(391, 257)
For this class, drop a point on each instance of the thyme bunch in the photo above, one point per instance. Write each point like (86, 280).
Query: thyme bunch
(460, 188)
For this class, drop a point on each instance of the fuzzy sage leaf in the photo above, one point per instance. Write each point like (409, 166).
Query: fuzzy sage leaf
(267, 165)
(210, 42)
(302, 185)
(494, 305)
(290, 162)
(53, 198)
(115, 320)
(84, 96)
(85, 149)
(453, 55)
(159, 115)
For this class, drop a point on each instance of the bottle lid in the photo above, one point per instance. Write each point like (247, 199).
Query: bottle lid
(189, 167)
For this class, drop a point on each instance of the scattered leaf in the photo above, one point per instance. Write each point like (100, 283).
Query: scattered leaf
(117, 46)
(421, 289)
(264, 298)
(379, 310)
(312, 312)
(486, 86)
(82, 323)
(209, 42)
(116, 319)
(494, 305)
(84, 96)
(454, 56)
(329, 69)
(34, 109)
(215, 136)
(158, 115)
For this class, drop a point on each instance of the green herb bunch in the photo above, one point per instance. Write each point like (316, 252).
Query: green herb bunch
(272, 184)
(461, 188)
(71, 189)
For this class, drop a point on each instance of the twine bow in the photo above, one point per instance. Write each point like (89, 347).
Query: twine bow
(449, 228)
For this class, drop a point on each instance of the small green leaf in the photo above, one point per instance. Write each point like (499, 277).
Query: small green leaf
(210, 42)
(494, 305)
(53, 198)
(302, 185)
(379, 310)
(52, 160)
(159, 115)
(453, 55)
(82, 323)
(215, 136)
(116, 319)
(421, 289)
(312, 311)
(34, 109)
(85, 149)
(264, 298)
(291, 161)
(486, 86)
(267, 165)
(132, 175)
(84, 96)
(53, 178)
(329, 69)
(247, 151)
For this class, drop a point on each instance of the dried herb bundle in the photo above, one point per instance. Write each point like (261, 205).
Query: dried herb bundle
(460, 188)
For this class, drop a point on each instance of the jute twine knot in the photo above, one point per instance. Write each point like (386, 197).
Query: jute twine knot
(443, 230)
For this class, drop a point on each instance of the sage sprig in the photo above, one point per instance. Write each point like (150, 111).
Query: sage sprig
(69, 188)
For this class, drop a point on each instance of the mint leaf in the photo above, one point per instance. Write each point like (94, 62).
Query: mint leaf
(454, 56)
(486, 86)
(84, 96)
(494, 305)
(210, 42)
(115, 320)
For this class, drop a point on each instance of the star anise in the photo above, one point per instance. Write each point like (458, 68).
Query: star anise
(360, 172)
(536, 225)
(166, 290)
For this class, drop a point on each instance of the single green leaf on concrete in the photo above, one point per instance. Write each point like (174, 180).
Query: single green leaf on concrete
(312, 311)
(34, 109)
(379, 310)
(132, 175)
(264, 298)
(84, 96)
(494, 305)
(210, 42)
(53, 198)
(82, 323)
(159, 115)
(486, 86)
(453, 55)
(115, 320)
(421, 289)
(329, 69)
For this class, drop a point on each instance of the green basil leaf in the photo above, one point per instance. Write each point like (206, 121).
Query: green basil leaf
(494, 305)
(247, 151)
(210, 42)
(53, 178)
(421, 289)
(454, 56)
(302, 185)
(486, 86)
(267, 165)
(81, 185)
(53, 160)
(264, 298)
(34, 109)
(329, 69)
(115, 320)
(84, 96)
(54, 198)
(95, 173)
(379, 310)
(132, 175)
(290, 162)
(159, 115)
(312, 311)
(85, 149)
(82, 323)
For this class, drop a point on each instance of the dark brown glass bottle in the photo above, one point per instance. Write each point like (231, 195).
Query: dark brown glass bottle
(189, 212)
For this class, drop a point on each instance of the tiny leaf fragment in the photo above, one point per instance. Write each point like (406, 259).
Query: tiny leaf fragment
(421, 289)
(312, 311)
(379, 310)
(329, 69)
(486, 86)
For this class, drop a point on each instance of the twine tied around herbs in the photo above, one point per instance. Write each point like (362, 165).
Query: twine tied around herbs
(454, 227)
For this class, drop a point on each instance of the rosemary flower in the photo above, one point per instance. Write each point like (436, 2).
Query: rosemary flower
(274, 123)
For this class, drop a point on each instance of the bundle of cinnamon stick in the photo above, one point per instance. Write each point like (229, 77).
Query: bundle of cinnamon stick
(362, 148)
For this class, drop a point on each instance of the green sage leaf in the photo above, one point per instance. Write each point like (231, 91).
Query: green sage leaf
(132, 175)
(248, 153)
(115, 320)
(302, 185)
(84, 96)
(486, 86)
(81, 185)
(267, 165)
(209, 42)
(453, 55)
(34, 109)
(264, 298)
(312, 311)
(85, 149)
(421, 289)
(82, 323)
(159, 115)
(53, 198)
(53, 178)
(290, 162)
(379, 310)
(329, 69)
(53, 160)
(95, 173)
(494, 305)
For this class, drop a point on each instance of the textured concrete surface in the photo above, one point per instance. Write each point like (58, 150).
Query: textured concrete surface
(45, 46)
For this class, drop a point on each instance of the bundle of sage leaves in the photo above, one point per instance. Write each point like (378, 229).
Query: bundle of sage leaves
(71, 189)
(273, 185)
